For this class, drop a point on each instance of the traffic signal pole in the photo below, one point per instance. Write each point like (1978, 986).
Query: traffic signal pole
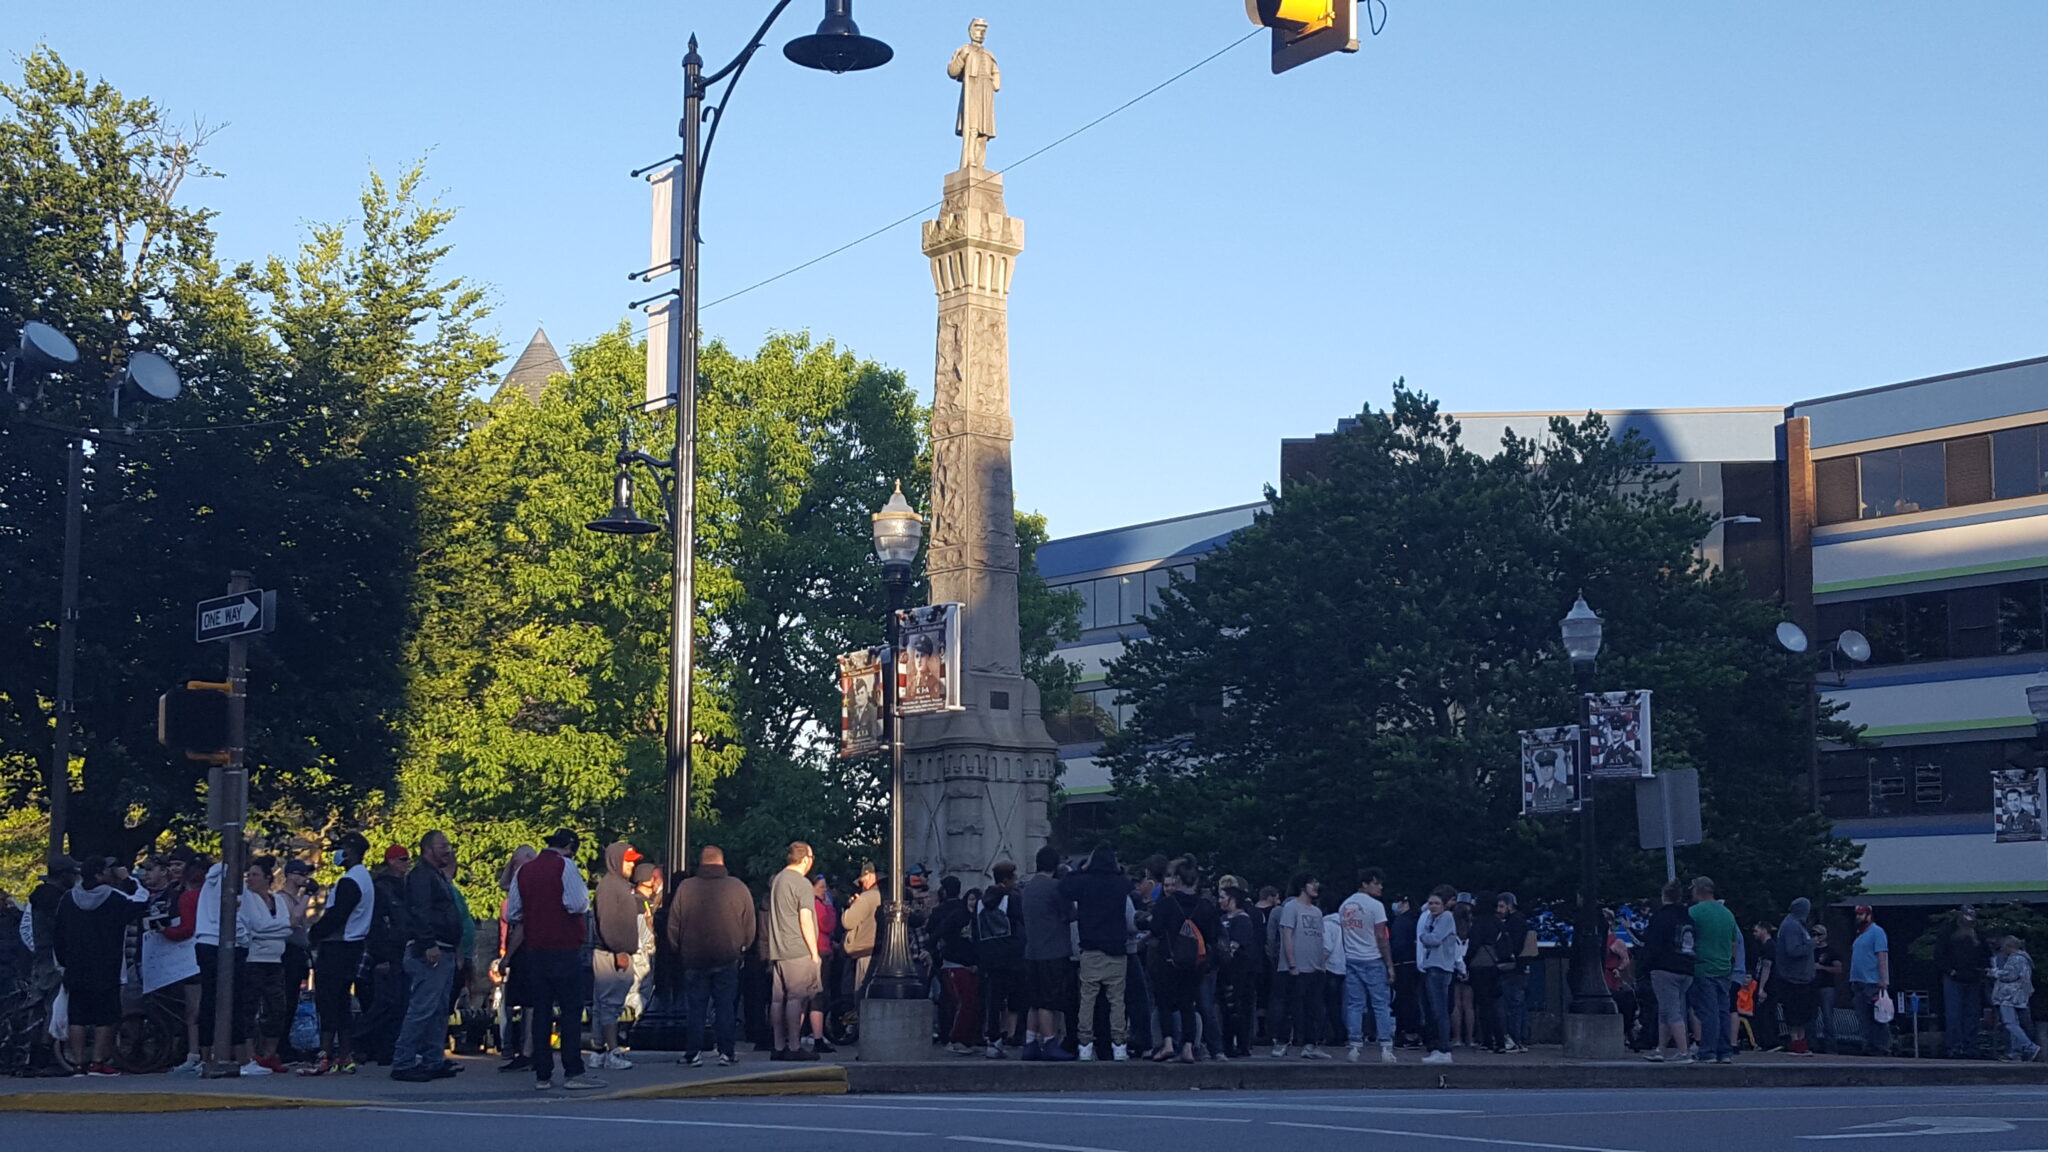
(234, 809)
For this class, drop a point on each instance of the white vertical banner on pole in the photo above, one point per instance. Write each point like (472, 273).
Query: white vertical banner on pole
(665, 254)
(661, 367)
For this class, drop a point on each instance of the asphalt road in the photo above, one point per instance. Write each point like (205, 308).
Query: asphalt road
(1706, 1120)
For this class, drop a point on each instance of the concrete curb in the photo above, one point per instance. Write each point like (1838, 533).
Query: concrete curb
(822, 1080)
(997, 1077)
(118, 1102)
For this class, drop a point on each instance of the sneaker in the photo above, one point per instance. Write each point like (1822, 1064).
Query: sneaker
(798, 1054)
(105, 1069)
(543, 1085)
(320, 1067)
(778, 1054)
(1087, 1052)
(692, 1060)
(273, 1063)
(1799, 1048)
(1033, 1050)
(994, 1051)
(191, 1067)
(1656, 1057)
(412, 1075)
(1314, 1052)
(1437, 1058)
(959, 1049)
(1724, 1059)
(1693, 1052)
(582, 1083)
(1051, 1050)
(616, 1060)
(1688, 1058)
(1279, 1051)
(1221, 1057)
(1353, 1052)
(345, 1068)
(252, 1068)
(825, 1046)
(1387, 1055)
(517, 1064)
(1119, 1052)
(2032, 1057)
(1511, 1048)
(725, 1061)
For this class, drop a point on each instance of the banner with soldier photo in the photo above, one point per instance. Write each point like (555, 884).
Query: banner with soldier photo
(2016, 805)
(1550, 770)
(928, 668)
(1618, 735)
(860, 702)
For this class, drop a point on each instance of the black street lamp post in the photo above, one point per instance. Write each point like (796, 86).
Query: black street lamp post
(1581, 630)
(898, 530)
(837, 46)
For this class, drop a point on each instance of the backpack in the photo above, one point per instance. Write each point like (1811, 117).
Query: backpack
(1000, 944)
(1480, 953)
(1190, 951)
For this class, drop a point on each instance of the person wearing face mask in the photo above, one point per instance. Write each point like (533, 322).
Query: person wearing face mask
(338, 937)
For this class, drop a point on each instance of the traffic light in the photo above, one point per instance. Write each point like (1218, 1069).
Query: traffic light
(1305, 30)
(194, 720)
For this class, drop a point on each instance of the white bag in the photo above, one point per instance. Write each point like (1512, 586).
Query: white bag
(1883, 1009)
(60, 1015)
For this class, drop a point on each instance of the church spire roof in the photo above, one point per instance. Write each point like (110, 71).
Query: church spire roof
(530, 374)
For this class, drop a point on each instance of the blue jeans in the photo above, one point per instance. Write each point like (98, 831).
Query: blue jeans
(1365, 981)
(423, 1038)
(1877, 1038)
(1962, 1007)
(1824, 1019)
(2020, 1044)
(710, 993)
(1709, 1000)
(1436, 1009)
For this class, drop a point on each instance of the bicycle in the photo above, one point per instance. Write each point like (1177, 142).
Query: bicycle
(26, 1048)
(152, 1037)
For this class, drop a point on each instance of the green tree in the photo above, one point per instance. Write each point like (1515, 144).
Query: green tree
(318, 391)
(1342, 685)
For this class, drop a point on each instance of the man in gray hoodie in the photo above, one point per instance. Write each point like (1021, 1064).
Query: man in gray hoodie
(1794, 974)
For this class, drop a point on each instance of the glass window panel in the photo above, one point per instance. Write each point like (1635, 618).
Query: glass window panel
(1973, 621)
(2019, 617)
(1184, 571)
(1924, 477)
(1831, 620)
(1085, 614)
(1106, 601)
(1155, 583)
(1884, 622)
(1927, 627)
(2015, 463)
(1880, 480)
(1132, 591)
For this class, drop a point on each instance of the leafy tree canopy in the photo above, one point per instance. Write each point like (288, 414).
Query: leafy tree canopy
(1343, 684)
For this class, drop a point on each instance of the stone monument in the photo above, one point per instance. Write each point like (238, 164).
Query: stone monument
(976, 780)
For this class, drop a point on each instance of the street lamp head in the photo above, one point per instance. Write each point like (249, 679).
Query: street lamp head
(838, 46)
(898, 531)
(622, 520)
(1580, 629)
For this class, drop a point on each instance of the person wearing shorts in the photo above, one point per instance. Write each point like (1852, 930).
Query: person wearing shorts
(1668, 954)
(796, 989)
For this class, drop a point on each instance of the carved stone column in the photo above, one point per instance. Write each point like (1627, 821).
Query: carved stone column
(976, 780)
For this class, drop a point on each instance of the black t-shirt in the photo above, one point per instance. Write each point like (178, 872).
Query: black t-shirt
(1668, 942)
(1823, 956)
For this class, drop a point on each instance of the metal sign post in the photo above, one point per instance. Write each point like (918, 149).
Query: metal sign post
(232, 618)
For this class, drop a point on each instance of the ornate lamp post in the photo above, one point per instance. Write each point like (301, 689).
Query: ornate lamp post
(1580, 630)
(898, 531)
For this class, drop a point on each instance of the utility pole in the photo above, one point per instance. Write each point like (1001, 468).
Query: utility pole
(233, 806)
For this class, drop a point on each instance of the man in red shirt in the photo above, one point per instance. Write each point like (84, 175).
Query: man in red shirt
(547, 906)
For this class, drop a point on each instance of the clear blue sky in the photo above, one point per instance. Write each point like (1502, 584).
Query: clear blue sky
(1512, 205)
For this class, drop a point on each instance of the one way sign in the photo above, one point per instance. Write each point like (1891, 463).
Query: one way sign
(237, 615)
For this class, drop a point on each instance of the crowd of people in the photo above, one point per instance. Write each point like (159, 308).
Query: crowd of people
(1088, 960)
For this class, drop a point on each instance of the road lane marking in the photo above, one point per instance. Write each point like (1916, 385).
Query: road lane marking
(983, 1108)
(810, 1128)
(1446, 1136)
(1025, 1144)
(1123, 1101)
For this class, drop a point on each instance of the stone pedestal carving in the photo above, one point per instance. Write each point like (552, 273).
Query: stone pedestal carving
(976, 780)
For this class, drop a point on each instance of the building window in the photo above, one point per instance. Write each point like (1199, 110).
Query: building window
(1897, 481)
(1113, 601)
(2016, 463)
(1952, 778)
(1987, 620)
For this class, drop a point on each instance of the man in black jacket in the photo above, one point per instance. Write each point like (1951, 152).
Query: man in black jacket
(711, 924)
(1102, 910)
(434, 931)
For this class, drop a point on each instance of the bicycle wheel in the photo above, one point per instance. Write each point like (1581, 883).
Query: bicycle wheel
(145, 1043)
(842, 1020)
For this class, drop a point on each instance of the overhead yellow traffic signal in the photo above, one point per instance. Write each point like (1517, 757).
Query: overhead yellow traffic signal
(1305, 30)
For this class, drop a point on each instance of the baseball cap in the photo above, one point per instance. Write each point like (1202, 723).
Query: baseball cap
(60, 864)
(1508, 898)
(396, 852)
(1464, 898)
(1863, 910)
(297, 868)
(633, 855)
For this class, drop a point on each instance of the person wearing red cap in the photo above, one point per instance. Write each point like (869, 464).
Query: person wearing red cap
(1870, 976)
(376, 1032)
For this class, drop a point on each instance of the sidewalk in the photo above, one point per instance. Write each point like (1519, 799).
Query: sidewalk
(657, 1076)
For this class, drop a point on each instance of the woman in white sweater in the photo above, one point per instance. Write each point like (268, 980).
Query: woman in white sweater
(266, 919)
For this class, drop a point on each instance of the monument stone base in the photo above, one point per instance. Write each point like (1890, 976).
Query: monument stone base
(1586, 1037)
(895, 1031)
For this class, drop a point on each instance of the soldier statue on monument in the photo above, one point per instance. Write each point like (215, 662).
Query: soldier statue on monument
(975, 68)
